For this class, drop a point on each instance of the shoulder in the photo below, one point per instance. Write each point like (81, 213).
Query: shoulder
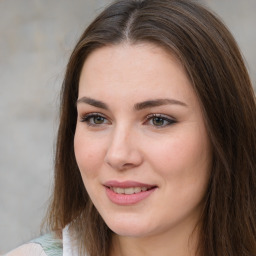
(47, 245)
(30, 249)
(27, 250)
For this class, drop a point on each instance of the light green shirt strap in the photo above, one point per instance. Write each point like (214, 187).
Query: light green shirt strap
(51, 245)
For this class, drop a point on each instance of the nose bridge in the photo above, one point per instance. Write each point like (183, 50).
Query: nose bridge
(120, 134)
(123, 151)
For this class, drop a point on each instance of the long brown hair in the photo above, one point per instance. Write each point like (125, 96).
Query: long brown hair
(218, 75)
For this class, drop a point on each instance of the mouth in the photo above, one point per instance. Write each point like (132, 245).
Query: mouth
(128, 192)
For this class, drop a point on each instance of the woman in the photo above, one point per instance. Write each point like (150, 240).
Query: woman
(156, 144)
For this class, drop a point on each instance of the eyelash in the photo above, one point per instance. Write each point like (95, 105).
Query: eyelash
(167, 120)
(89, 116)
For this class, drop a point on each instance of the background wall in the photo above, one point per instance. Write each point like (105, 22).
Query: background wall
(36, 39)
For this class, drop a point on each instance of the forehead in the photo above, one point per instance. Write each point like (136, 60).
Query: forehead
(129, 70)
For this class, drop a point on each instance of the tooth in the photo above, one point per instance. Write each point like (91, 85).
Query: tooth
(137, 190)
(119, 190)
(129, 191)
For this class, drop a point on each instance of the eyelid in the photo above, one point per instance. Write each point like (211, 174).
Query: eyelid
(90, 114)
(160, 115)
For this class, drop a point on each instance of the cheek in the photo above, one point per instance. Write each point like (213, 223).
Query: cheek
(184, 163)
(184, 155)
(89, 155)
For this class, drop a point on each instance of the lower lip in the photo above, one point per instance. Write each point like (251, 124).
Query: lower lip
(123, 199)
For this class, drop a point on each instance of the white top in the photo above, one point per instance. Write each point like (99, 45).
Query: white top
(47, 246)
(69, 249)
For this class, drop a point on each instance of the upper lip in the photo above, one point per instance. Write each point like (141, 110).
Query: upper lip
(127, 184)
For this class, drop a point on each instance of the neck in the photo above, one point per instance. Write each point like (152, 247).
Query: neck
(174, 243)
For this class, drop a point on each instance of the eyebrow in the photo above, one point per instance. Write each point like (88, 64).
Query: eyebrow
(138, 106)
(157, 103)
(93, 102)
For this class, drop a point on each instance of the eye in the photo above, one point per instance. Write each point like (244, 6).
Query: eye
(159, 120)
(94, 119)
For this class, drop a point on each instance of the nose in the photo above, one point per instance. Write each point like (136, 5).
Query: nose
(123, 152)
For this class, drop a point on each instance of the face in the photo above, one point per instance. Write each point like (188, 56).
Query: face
(140, 142)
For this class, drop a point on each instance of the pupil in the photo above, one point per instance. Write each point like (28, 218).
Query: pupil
(98, 120)
(158, 121)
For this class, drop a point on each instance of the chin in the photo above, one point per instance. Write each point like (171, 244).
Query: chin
(129, 231)
(129, 228)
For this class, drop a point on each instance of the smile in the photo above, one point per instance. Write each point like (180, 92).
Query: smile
(128, 191)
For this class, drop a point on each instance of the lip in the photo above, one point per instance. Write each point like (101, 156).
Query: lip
(124, 199)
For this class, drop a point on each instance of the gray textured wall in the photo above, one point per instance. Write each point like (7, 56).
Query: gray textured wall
(36, 38)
